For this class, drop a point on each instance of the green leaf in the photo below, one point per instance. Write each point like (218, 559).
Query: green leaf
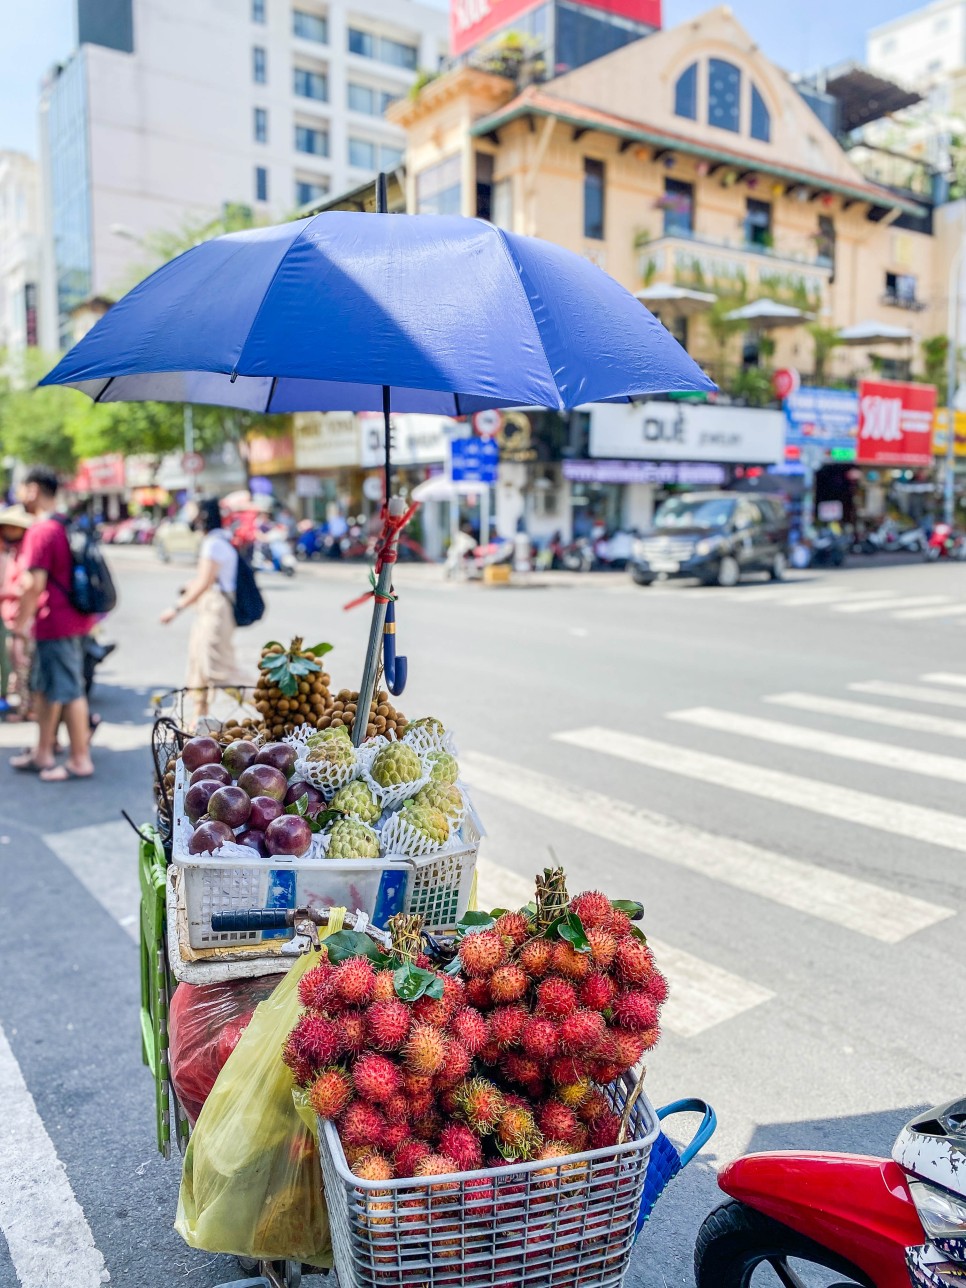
(319, 650)
(633, 909)
(304, 666)
(638, 933)
(299, 806)
(571, 928)
(473, 921)
(289, 685)
(411, 982)
(327, 816)
(353, 943)
(272, 643)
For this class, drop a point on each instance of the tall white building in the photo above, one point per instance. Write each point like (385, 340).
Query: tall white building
(171, 109)
(20, 254)
(924, 48)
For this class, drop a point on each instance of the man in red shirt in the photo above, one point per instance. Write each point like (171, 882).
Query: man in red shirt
(57, 676)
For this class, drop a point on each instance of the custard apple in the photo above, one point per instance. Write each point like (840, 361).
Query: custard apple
(429, 723)
(445, 797)
(338, 752)
(356, 798)
(326, 735)
(350, 839)
(395, 764)
(442, 767)
(428, 822)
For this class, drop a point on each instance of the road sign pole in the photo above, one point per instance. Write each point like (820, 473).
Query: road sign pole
(189, 445)
(485, 515)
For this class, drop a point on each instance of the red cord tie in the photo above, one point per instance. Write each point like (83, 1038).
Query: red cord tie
(386, 553)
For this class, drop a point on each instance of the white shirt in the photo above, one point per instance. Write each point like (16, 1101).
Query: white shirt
(218, 548)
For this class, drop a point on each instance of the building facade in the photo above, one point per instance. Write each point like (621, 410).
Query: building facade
(22, 325)
(171, 110)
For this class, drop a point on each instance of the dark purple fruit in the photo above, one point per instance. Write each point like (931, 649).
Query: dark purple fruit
(278, 754)
(230, 805)
(197, 796)
(255, 840)
(264, 780)
(299, 789)
(200, 751)
(264, 810)
(288, 834)
(217, 773)
(209, 837)
(238, 755)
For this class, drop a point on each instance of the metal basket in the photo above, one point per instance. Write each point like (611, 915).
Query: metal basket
(566, 1223)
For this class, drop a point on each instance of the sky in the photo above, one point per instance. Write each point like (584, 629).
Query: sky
(800, 36)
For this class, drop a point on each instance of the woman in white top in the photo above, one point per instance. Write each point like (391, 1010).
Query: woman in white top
(211, 652)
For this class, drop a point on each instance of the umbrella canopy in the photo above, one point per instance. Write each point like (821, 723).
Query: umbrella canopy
(768, 313)
(455, 315)
(679, 299)
(874, 333)
(441, 488)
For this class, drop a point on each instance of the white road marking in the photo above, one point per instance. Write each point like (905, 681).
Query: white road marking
(910, 692)
(845, 901)
(702, 994)
(904, 759)
(945, 677)
(45, 1228)
(870, 713)
(102, 860)
(922, 614)
(912, 601)
(913, 821)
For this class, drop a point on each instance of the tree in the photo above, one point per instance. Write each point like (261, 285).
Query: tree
(935, 356)
(34, 423)
(825, 339)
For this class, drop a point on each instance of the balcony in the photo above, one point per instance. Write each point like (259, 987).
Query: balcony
(909, 302)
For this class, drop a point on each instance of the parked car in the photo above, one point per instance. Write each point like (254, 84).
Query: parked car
(714, 536)
(176, 537)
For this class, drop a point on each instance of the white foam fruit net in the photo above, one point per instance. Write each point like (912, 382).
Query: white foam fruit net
(423, 739)
(325, 775)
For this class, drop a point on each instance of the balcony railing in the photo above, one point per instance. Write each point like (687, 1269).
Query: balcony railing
(904, 302)
(789, 252)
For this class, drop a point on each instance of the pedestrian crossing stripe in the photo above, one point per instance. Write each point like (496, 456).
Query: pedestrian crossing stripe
(891, 602)
(945, 677)
(910, 692)
(869, 713)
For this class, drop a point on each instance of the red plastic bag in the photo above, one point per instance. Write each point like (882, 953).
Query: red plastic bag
(205, 1023)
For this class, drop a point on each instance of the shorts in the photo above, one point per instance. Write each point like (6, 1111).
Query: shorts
(57, 673)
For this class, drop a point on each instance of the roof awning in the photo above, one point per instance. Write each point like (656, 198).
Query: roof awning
(875, 333)
(768, 313)
(864, 95)
(678, 299)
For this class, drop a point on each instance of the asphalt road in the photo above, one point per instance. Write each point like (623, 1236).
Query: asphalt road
(776, 772)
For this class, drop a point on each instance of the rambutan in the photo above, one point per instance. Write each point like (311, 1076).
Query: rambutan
(478, 993)
(521, 1069)
(657, 988)
(482, 952)
(409, 1154)
(489, 1053)
(540, 1039)
(564, 1069)
(536, 957)
(354, 980)
(437, 1165)
(518, 1134)
(650, 1037)
(514, 926)
(604, 1130)
(556, 1121)
(448, 1100)
(620, 924)
(396, 1106)
(469, 1027)
(569, 963)
(603, 947)
(423, 961)
(507, 1024)
(425, 1049)
(581, 1032)
(302, 1071)
(361, 1124)
(394, 1134)
(550, 1152)
(573, 1094)
(427, 1126)
(633, 961)
(416, 1084)
(315, 1040)
(593, 1107)
(606, 1071)
(460, 1144)
(330, 1093)
(374, 1167)
(624, 1048)
(508, 983)
(598, 991)
(635, 1011)
(383, 986)
(388, 1024)
(555, 997)
(432, 1010)
(353, 1025)
(375, 1077)
(356, 1153)
(456, 1067)
(481, 1105)
(419, 1106)
(315, 986)
(593, 908)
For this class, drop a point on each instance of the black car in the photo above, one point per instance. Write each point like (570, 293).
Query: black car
(714, 536)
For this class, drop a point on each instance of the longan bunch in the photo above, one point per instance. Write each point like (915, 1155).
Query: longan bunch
(284, 712)
(235, 728)
(383, 717)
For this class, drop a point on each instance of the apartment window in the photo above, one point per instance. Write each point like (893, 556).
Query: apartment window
(310, 26)
(760, 117)
(439, 188)
(307, 84)
(502, 214)
(369, 101)
(900, 289)
(594, 199)
(825, 243)
(310, 190)
(383, 49)
(686, 93)
(758, 223)
(484, 185)
(314, 142)
(362, 154)
(390, 158)
(260, 127)
(258, 10)
(724, 94)
(261, 183)
(259, 65)
(678, 208)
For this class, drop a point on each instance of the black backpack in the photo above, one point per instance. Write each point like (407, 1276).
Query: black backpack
(248, 604)
(91, 590)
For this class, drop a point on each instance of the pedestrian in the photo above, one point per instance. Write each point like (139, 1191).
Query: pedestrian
(57, 672)
(14, 650)
(211, 652)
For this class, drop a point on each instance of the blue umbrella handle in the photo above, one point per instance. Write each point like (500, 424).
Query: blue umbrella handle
(395, 669)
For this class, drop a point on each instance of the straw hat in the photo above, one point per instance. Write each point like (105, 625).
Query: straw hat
(15, 516)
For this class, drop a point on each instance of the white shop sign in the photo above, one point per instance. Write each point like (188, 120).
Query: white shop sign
(326, 441)
(417, 440)
(675, 431)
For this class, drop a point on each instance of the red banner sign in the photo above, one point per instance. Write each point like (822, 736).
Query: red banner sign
(473, 20)
(895, 423)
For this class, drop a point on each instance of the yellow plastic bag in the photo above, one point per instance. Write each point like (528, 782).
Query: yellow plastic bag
(252, 1181)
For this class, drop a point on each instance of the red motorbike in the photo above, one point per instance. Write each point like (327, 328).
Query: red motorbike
(945, 543)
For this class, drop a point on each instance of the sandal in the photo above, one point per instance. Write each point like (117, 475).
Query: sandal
(26, 764)
(63, 773)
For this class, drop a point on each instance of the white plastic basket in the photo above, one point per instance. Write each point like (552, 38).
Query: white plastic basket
(566, 1223)
(443, 882)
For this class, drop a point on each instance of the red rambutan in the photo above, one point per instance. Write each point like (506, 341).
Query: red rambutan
(521, 1069)
(416, 1084)
(387, 1024)
(606, 1072)
(478, 993)
(508, 983)
(374, 1167)
(514, 926)
(593, 909)
(394, 1134)
(437, 1165)
(603, 1130)
(598, 991)
(581, 1032)
(376, 1078)
(540, 1039)
(657, 988)
(635, 1011)
(482, 952)
(569, 963)
(489, 1053)
(354, 980)
(396, 1107)
(536, 957)
(448, 1101)
(419, 1106)
(361, 1124)
(620, 924)
(603, 946)
(427, 1126)
(353, 1025)
(432, 1010)
(315, 986)
(315, 1040)
(633, 961)
(650, 1037)
(425, 1050)
(565, 1069)
(383, 986)
(330, 1093)
(408, 1155)
(456, 1067)
(593, 1107)
(460, 1144)
(555, 997)
(470, 1028)
(623, 1048)
(423, 961)
(506, 1025)
(556, 1121)
(481, 1105)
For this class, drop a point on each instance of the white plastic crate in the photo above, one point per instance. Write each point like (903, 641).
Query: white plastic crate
(566, 1223)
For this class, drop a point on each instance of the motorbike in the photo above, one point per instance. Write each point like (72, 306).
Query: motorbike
(867, 1222)
(578, 556)
(828, 549)
(888, 538)
(945, 543)
(273, 552)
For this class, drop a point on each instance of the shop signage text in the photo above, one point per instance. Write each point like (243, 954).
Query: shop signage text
(327, 441)
(895, 423)
(662, 473)
(474, 460)
(271, 455)
(939, 432)
(687, 432)
(472, 20)
(826, 419)
(416, 440)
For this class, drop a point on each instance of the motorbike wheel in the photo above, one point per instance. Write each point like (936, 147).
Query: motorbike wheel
(932, 554)
(641, 578)
(737, 1247)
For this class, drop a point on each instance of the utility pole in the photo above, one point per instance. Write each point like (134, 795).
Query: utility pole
(189, 446)
(952, 383)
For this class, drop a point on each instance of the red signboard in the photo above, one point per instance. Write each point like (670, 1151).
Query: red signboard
(895, 423)
(471, 21)
(99, 474)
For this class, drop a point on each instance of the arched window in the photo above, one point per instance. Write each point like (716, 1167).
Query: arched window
(760, 117)
(724, 95)
(686, 93)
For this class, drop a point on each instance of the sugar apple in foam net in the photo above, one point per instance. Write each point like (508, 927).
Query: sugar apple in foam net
(350, 839)
(428, 822)
(326, 735)
(442, 767)
(429, 723)
(356, 798)
(445, 797)
(396, 764)
(338, 752)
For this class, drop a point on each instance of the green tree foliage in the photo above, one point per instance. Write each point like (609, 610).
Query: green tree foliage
(825, 339)
(935, 356)
(34, 423)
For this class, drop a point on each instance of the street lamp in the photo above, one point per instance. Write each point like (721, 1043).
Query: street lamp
(952, 381)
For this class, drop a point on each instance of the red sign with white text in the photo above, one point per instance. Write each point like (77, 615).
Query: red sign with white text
(895, 423)
(471, 21)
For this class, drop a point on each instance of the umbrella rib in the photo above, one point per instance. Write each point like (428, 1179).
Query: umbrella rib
(107, 384)
(268, 290)
(271, 395)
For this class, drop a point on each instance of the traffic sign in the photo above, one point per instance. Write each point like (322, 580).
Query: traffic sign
(474, 460)
(192, 462)
(488, 423)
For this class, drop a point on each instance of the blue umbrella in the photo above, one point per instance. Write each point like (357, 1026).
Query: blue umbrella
(359, 312)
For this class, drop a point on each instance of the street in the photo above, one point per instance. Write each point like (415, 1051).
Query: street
(775, 771)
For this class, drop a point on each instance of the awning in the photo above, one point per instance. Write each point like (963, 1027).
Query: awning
(875, 333)
(768, 313)
(679, 299)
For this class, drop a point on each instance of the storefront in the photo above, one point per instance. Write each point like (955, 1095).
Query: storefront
(100, 484)
(328, 476)
(624, 494)
(420, 448)
(274, 459)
